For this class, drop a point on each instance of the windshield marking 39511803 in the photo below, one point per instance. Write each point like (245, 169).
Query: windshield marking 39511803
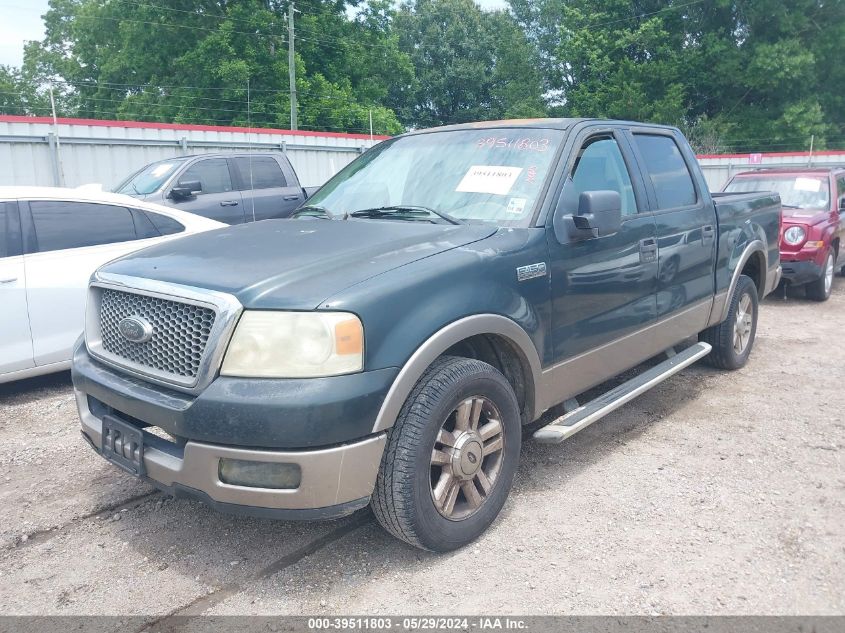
(450, 175)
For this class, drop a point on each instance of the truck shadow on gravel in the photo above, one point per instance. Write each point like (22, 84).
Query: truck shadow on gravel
(224, 552)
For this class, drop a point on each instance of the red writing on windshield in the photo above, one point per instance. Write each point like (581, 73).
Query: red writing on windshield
(520, 144)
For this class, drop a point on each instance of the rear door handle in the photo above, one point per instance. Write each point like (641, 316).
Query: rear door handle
(296, 197)
(8, 280)
(229, 203)
(707, 234)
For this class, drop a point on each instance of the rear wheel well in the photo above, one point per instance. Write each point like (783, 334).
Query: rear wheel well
(755, 269)
(502, 354)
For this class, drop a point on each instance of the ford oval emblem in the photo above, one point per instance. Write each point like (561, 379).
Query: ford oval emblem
(135, 329)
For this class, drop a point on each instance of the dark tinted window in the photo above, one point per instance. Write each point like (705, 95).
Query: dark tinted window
(143, 227)
(840, 187)
(165, 225)
(10, 229)
(212, 173)
(600, 167)
(60, 225)
(668, 171)
(266, 172)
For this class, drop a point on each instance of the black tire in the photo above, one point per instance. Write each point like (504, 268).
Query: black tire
(403, 500)
(820, 289)
(721, 336)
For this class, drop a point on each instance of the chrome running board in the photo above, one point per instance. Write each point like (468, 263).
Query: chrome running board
(580, 418)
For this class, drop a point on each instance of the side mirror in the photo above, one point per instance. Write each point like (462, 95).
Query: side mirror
(599, 214)
(184, 190)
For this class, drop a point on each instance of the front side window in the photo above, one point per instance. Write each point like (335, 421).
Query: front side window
(63, 224)
(212, 174)
(807, 191)
(840, 185)
(487, 175)
(600, 167)
(260, 172)
(667, 170)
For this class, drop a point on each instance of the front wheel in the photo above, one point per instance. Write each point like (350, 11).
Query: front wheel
(450, 458)
(819, 290)
(733, 338)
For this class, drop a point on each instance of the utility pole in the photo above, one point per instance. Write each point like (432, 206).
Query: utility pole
(60, 172)
(291, 68)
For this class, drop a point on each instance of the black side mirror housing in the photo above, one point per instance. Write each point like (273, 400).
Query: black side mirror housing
(599, 214)
(184, 190)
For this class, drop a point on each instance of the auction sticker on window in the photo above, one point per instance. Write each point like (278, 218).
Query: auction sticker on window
(808, 184)
(516, 205)
(495, 179)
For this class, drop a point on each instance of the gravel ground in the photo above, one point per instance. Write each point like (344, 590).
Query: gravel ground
(716, 493)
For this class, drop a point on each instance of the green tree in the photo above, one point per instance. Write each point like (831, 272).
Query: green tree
(469, 65)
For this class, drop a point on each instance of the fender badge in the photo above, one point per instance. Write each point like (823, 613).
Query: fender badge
(524, 273)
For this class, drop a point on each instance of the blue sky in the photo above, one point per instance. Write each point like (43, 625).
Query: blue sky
(20, 20)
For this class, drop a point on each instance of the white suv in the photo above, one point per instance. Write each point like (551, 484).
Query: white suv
(51, 241)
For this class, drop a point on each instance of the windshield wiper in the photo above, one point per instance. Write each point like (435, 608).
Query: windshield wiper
(790, 206)
(312, 211)
(399, 210)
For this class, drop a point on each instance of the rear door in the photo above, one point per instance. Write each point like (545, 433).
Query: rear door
(268, 192)
(218, 197)
(603, 288)
(64, 243)
(685, 219)
(15, 336)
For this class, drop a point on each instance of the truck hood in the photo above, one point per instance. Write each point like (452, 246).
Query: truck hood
(293, 264)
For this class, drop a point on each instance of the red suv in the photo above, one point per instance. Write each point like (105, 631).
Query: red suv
(813, 221)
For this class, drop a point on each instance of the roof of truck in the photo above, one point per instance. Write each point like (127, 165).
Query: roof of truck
(554, 124)
(789, 171)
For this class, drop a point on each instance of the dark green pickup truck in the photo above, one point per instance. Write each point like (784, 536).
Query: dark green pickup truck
(449, 291)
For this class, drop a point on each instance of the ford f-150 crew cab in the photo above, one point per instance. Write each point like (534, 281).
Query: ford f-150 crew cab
(446, 292)
(813, 201)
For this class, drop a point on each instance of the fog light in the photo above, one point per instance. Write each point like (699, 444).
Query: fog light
(276, 475)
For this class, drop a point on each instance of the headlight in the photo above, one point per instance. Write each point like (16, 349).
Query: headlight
(269, 344)
(794, 235)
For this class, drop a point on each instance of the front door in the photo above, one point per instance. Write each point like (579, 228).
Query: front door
(15, 336)
(218, 197)
(603, 288)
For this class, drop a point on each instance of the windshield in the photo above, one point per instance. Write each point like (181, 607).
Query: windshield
(801, 192)
(493, 175)
(150, 178)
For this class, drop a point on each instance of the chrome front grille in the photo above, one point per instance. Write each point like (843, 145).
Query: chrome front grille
(179, 338)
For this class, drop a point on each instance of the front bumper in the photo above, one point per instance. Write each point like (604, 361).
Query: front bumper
(335, 481)
(797, 273)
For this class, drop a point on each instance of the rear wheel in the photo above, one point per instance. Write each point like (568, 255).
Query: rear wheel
(450, 458)
(733, 338)
(819, 290)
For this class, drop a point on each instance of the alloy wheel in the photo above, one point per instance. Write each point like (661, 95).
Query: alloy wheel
(743, 325)
(467, 458)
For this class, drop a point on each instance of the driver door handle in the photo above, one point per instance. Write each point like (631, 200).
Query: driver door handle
(229, 203)
(296, 197)
(8, 280)
(648, 250)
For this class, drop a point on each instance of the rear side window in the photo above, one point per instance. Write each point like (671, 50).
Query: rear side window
(667, 169)
(165, 225)
(266, 172)
(10, 229)
(60, 224)
(212, 174)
